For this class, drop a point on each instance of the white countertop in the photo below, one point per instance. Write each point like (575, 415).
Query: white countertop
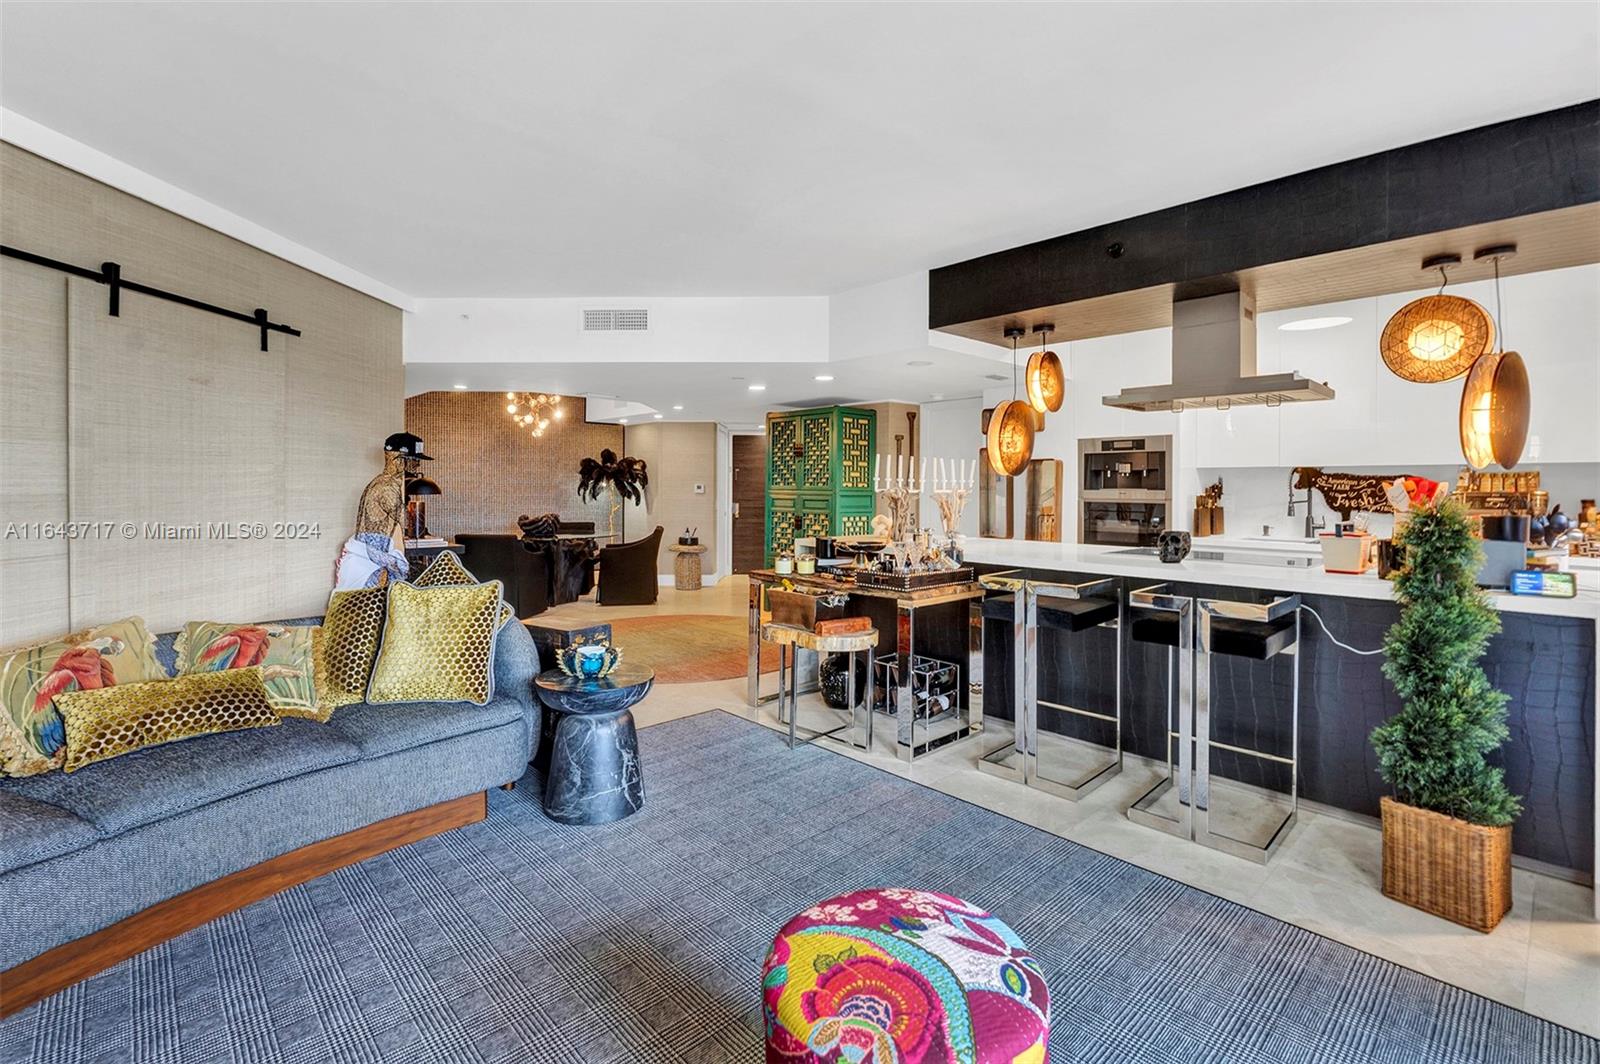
(1083, 558)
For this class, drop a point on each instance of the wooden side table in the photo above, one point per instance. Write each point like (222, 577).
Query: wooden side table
(686, 566)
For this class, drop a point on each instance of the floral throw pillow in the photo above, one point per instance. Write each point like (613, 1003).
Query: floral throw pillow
(32, 734)
(284, 653)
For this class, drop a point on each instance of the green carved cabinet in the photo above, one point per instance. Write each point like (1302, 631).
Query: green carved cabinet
(819, 474)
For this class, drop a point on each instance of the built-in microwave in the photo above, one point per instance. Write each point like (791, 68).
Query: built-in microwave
(1124, 489)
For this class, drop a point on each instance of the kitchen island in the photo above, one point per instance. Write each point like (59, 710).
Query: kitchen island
(1544, 658)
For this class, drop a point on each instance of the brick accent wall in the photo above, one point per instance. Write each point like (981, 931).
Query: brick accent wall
(491, 471)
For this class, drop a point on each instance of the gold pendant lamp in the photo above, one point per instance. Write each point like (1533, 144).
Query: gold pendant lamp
(1010, 436)
(1436, 338)
(1047, 384)
(1496, 398)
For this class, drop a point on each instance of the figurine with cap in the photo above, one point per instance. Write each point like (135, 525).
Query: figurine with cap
(376, 552)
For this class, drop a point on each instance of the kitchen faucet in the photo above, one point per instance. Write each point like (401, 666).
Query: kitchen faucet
(1312, 527)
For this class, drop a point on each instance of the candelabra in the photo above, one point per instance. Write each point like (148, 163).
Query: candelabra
(952, 486)
(905, 479)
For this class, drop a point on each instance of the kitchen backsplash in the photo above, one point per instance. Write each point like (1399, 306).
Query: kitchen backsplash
(1254, 498)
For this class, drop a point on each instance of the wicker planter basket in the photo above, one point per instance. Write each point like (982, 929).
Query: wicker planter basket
(1445, 866)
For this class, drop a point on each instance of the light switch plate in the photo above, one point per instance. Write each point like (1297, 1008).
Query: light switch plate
(699, 489)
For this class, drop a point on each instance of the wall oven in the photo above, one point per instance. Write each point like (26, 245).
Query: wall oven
(1124, 489)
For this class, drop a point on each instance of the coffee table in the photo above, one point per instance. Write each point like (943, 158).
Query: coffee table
(595, 776)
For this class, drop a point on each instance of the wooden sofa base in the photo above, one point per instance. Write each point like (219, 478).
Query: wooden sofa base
(72, 962)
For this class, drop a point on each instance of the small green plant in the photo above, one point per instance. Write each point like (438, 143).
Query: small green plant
(1433, 751)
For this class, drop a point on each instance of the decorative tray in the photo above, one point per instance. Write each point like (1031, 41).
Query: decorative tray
(913, 581)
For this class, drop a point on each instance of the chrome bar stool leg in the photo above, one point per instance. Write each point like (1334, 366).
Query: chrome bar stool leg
(1143, 810)
(1009, 760)
(1250, 621)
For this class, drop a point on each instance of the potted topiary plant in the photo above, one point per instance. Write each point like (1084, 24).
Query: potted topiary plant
(1447, 830)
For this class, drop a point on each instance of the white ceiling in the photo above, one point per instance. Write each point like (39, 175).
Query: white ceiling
(527, 150)
(720, 391)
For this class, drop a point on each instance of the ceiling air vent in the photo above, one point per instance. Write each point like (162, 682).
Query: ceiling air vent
(616, 320)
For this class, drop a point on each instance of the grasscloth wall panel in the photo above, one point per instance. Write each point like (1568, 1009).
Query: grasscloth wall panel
(173, 415)
(681, 455)
(491, 472)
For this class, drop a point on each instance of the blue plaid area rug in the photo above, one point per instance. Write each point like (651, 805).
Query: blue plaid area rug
(519, 939)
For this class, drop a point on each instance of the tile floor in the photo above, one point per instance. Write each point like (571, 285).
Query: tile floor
(1543, 958)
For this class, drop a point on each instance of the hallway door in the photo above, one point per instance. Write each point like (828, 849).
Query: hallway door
(749, 501)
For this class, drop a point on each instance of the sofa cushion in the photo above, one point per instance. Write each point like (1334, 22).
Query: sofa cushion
(160, 781)
(381, 730)
(32, 831)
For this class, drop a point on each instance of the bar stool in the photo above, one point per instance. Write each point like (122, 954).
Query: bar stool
(1166, 619)
(789, 640)
(1258, 631)
(1071, 608)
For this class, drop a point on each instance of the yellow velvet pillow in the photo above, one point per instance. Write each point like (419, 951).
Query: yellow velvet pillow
(109, 721)
(438, 645)
(446, 570)
(345, 646)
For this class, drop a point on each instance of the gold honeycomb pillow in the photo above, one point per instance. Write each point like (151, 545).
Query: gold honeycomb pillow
(446, 570)
(345, 646)
(33, 677)
(284, 652)
(110, 721)
(438, 645)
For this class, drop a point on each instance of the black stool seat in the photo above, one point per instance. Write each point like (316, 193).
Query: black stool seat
(1259, 640)
(999, 607)
(1077, 615)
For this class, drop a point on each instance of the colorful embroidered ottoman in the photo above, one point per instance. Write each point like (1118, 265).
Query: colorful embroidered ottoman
(891, 976)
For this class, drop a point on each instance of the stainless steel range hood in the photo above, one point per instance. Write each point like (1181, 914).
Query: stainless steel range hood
(1214, 362)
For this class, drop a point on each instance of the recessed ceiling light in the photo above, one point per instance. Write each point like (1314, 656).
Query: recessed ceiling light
(823, 377)
(919, 362)
(1310, 324)
(622, 421)
(461, 387)
(658, 417)
(677, 406)
(758, 387)
(936, 398)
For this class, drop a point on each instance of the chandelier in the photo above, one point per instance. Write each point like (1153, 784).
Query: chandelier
(533, 411)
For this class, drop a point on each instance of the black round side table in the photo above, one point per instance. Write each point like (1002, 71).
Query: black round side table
(594, 775)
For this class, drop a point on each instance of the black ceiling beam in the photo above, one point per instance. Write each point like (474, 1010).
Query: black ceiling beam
(1525, 166)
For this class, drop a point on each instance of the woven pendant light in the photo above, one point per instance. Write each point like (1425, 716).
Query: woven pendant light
(1495, 400)
(1010, 436)
(1438, 337)
(1047, 384)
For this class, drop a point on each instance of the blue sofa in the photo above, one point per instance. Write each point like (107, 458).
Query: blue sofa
(80, 852)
